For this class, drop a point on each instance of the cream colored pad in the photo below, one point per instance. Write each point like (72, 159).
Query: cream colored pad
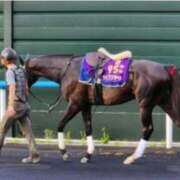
(116, 57)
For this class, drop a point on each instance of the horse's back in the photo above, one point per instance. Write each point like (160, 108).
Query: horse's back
(150, 68)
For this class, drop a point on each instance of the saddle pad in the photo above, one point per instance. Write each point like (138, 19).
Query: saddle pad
(87, 72)
(114, 73)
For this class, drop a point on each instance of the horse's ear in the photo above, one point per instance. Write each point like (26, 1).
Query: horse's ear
(21, 61)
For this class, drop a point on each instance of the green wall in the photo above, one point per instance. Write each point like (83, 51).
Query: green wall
(150, 29)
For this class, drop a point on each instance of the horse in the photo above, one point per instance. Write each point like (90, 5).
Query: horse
(150, 84)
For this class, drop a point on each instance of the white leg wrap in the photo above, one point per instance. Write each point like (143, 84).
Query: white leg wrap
(90, 144)
(61, 141)
(140, 148)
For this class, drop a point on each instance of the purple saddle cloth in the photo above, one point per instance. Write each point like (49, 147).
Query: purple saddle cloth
(114, 73)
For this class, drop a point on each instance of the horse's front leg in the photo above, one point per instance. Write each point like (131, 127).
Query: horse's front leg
(146, 117)
(86, 113)
(71, 111)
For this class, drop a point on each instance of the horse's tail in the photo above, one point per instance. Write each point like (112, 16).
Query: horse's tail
(174, 93)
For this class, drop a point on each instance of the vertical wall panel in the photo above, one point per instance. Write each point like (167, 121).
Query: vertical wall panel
(1, 24)
(1, 33)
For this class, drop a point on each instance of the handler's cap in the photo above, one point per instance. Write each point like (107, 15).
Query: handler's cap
(9, 54)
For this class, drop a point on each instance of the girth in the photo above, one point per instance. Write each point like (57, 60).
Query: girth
(98, 90)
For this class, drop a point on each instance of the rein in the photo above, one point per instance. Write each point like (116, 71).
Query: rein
(59, 98)
(51, 106)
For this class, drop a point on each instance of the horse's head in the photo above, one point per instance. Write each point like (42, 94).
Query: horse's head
(31, 76)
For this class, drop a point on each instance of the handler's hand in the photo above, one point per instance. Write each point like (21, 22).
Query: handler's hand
(11, 111)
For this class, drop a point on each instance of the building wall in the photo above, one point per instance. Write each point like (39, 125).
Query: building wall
(149, 29)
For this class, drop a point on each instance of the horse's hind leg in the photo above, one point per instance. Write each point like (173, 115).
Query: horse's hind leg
(86, 113)
(71, 111)
(146, 117)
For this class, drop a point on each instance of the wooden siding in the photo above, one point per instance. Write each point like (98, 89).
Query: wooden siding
(150, 29)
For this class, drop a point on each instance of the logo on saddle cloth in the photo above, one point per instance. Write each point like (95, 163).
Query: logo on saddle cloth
(114, 73)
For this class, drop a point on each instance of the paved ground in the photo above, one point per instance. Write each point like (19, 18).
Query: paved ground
(106, 165)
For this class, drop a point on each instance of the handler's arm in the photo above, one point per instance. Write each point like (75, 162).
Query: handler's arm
(10, 78)
(27, 89)
(11, 96)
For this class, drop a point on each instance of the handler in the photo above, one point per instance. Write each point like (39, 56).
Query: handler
(18, 107)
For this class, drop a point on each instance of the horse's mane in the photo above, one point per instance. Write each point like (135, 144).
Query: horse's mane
(53, 56)
(50, 61)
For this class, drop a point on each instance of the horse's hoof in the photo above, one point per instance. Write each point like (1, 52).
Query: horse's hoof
(129, 160)
(65, 156)
(84, 160)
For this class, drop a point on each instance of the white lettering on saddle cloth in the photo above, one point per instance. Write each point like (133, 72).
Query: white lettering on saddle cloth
(115, 73)
(112, 77)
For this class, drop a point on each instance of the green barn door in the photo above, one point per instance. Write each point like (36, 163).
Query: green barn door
(150, 29)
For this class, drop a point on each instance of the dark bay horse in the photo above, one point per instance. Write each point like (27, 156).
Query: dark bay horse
(150, 83)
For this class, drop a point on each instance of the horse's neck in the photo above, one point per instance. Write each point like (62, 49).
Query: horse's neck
(51, 74)
(52, 69)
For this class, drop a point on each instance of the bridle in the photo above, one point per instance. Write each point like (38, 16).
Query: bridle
(51, 106)
(66, 69)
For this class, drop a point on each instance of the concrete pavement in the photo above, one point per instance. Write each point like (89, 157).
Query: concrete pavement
(107, 164)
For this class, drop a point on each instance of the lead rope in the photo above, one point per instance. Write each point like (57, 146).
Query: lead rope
(52, 106)
(38, 99)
